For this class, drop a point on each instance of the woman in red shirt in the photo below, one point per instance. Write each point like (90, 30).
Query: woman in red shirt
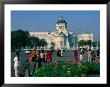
(49, 56)
(75, 56)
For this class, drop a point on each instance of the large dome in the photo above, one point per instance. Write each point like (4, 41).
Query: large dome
(61, 20)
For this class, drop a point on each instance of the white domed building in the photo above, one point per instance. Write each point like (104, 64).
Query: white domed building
(61, 38)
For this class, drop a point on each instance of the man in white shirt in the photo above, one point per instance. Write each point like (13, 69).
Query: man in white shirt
(81, 56)
(61, 52)
(41, 55)
(16, 65)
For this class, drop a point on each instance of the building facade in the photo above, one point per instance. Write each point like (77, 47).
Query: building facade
(85, 36)
(61, 38)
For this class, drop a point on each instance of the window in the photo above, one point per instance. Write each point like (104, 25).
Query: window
(60, 27)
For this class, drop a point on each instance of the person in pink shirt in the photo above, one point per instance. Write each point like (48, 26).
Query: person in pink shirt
(75, 56)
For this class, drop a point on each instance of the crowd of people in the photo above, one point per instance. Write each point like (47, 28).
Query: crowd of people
(35, 57)
(39, 57)
(42, 57)
(92, 55)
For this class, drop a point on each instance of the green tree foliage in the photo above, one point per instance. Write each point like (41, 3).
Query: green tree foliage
(20, 38)
(42, 42)
(81, 43)
(88, 42)
(33, 41)
(95, 44)
(84, 42)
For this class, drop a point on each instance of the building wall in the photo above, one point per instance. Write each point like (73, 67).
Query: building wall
(85, 36)
(66, 38)
(55, 38)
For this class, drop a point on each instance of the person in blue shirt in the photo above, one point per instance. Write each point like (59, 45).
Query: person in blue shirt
(94, 55)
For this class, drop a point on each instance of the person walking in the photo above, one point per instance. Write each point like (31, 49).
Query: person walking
(17, 65)
(39, 59)
(81, 50)
(32, 56)
(42, 55)
(75, 56)
(58, 52)
(32, 59)
(94, 55)
(98, 53)
(49, 56)
(89, 55)
(61, 52)
(45, 57)
(81, 56)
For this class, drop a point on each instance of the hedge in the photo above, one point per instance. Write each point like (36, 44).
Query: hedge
(60, 69)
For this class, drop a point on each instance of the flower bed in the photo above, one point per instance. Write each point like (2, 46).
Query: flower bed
(60, 69)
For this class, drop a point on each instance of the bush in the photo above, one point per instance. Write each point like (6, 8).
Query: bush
(61, 69)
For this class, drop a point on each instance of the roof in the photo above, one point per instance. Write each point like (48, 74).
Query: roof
(61, 20)
(62, 34)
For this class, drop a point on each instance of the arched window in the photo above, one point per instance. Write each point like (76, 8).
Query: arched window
(60, 27)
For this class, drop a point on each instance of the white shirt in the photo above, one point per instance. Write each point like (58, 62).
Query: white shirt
(41, 55)
(16, 61)
(81, 57)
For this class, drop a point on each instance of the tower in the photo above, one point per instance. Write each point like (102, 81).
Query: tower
(62, 33)
(61, 26)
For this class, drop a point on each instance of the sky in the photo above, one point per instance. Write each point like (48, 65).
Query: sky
(45, 21)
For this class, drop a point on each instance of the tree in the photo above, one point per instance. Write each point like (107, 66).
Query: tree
(89, 42)
(81, 43)
(22, 38)
(19, 39)
(96, 43)
(33, 41)
(85, 43)
(42, 42)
